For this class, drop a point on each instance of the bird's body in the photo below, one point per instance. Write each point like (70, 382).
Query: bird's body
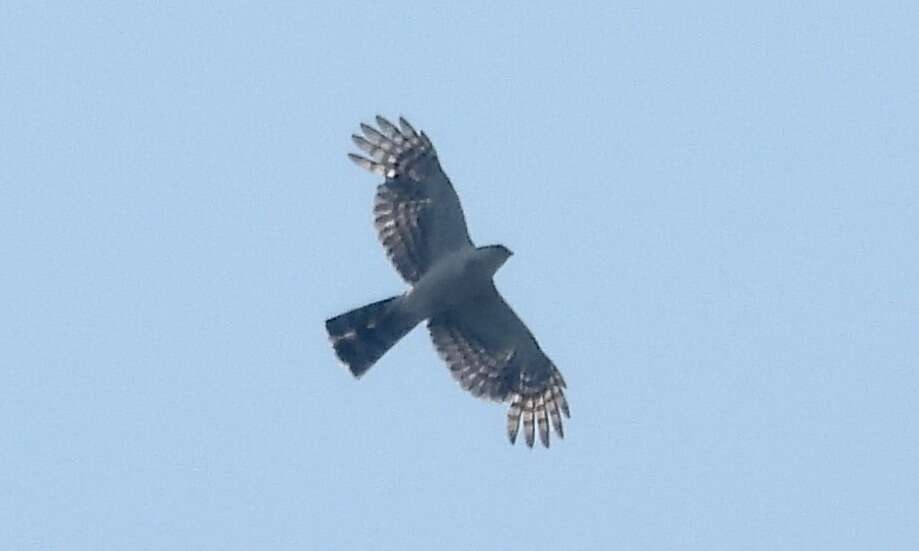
(455, 279)
(421, 225)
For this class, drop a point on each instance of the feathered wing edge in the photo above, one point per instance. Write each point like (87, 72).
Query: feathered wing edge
(536, 395)
(389, 149)
(476, 371)
(536, 410)
(407, 160)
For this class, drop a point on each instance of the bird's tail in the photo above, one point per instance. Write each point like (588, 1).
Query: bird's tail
(363, 335)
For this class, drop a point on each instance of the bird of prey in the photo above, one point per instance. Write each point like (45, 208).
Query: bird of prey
(420, 223)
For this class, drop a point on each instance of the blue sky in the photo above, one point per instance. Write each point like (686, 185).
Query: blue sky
(714, 214)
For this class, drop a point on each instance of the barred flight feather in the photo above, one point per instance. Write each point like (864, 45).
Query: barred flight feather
(408, 162)
(542, 405)
(537, 401)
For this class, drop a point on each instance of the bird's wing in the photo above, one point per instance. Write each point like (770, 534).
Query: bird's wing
(492, 354)
(416, 211)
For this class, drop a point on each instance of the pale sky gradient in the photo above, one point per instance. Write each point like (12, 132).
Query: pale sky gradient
(714, 212)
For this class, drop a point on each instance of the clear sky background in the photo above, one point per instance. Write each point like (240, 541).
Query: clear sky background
(714, 211)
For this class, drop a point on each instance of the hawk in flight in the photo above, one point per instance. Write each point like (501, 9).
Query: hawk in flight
(420, 222)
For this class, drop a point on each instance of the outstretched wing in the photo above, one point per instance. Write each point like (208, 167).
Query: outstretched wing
(416, 211)
(492, 354)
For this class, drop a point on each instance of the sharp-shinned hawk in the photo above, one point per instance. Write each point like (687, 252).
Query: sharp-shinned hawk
(421, 225)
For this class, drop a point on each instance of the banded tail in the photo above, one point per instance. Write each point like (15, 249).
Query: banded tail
(363, 335)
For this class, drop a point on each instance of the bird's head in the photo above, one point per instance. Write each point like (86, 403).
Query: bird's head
(494, 256)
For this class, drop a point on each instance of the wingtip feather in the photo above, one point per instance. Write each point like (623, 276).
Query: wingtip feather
(390, 130)
(407, 129)
(542, 421)
(367, 164)
(529, 428)
(513, 419)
